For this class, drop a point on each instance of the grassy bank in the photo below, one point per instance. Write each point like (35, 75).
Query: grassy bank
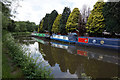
(21, 60)
(9, 69)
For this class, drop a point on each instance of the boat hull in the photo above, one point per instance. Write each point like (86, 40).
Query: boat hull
(101, 42)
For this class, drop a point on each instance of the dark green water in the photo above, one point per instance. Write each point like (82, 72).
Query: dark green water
(73, 61)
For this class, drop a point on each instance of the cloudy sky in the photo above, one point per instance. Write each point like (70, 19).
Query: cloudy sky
(35, 10)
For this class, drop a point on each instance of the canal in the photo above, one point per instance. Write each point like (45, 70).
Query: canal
(73, 61)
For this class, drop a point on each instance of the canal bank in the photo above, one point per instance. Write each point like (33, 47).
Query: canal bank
(21, 59)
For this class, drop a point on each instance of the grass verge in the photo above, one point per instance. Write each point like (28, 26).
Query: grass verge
(9, 70)
(29, 66)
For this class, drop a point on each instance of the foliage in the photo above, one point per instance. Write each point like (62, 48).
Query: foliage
(5, 15)
(111, 13)
(51, 19)
(96, 23)
(72, 22)
(63, 20)
(8, 67)
(30, 67)
(56, 24)
(14, 26)
(40, 29)
(48, 21)
(45, 23)
(23, 26)
(81, 26)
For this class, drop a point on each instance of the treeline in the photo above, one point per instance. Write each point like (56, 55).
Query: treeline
(62, 23)
(105, 16)
(24, 26)
(103, 19)
(15, 26)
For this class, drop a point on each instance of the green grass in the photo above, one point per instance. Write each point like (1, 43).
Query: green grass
(9, 70)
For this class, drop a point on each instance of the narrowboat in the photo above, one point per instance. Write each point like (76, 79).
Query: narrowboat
(71, 38)
(100, 42)
(42, 35)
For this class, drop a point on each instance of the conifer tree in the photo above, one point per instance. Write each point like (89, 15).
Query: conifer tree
(96, 23)
(51, 19)
(63, 20)
(40, 29)
(56, 24)
(111, 12)
(72, 22)
(46, 22)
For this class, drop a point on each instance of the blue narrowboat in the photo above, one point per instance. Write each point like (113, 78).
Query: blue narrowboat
(71, 38)
(100, 42)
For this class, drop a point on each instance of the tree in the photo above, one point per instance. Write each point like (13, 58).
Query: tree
(5, 15)
(72, 22)
(56, 24)
(96, 23)
(7, 22)
(23, 26)
(51, 19)
(81, 26)
(46, 22)
(63, 20)
(17, 27)
(11, 26)
(41, 26)
(111, 12)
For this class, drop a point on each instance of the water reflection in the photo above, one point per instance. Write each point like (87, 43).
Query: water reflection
(81, 61)
(73, 61)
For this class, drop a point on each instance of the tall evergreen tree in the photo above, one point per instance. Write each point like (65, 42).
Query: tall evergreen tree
(51, 19)
(56, 24)
(46, 22)
(63, 20)
(96, 23)
(111, 13)
(72, 22)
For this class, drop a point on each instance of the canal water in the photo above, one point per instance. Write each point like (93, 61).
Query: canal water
(73, 61)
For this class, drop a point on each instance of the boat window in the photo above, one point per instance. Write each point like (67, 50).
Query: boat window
(53, 35)
(58, 36)
(64, 37)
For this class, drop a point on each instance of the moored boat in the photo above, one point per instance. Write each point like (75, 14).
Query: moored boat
(100, 42)
(44, 35)
(71, 38)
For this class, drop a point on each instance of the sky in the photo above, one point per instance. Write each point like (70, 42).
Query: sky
(35, 10)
